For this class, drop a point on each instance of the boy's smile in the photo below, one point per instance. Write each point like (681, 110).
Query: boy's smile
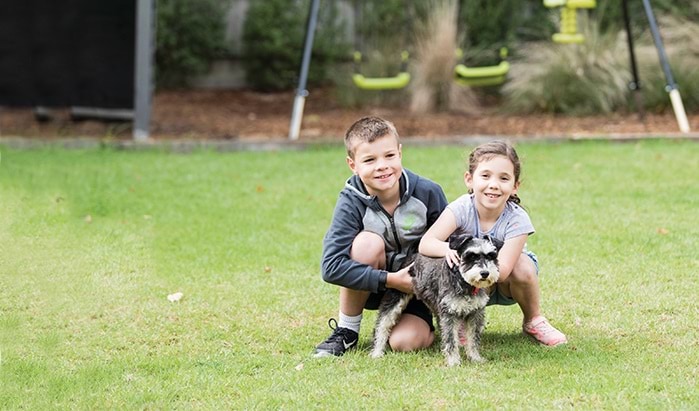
(378, 165)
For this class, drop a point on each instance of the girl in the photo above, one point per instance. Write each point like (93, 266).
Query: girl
(491, 208)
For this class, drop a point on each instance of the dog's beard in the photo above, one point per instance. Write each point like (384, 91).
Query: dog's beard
(474, 274)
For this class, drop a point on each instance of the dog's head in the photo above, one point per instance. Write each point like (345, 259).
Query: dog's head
(479, 260)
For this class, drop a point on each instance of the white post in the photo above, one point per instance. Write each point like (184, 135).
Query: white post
(671, 87)
(297, 116)
(678, 108)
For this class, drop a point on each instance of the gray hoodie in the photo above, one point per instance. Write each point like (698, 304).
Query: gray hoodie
(421, 202)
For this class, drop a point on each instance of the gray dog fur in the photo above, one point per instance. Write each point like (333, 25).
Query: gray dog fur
(454, 297)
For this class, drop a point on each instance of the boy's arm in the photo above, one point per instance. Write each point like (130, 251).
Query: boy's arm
(401, 280)
(336, 265)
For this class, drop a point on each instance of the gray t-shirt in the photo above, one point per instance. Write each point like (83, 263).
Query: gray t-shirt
(513, 221)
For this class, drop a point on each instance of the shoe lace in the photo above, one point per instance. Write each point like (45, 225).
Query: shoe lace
(544, 328)
(339, 333)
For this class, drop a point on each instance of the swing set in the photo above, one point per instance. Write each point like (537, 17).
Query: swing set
(484, 75)
(398, 81)
(464, 75)
(569, 19)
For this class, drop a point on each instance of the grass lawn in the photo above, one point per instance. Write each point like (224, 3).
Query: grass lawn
(92, 242)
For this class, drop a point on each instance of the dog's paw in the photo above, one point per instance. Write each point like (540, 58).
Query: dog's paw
(453, 361)
(477, 359)
(376, 354)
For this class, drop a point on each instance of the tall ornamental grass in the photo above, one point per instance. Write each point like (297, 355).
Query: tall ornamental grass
(593, 77)
(433, 87)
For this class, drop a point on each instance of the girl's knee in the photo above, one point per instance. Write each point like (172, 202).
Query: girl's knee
(524, 271)
(368, 248)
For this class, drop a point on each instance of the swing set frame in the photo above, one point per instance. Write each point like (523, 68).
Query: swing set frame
(567, 35)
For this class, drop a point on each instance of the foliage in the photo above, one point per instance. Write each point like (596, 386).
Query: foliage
(488, 25)
(610, 16)
(583, 79)
(85, 322)
(679, 37)
(593, 77)
(273, 37)
(190, 35)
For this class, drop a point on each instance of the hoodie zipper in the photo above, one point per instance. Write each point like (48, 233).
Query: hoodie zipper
(399, 247)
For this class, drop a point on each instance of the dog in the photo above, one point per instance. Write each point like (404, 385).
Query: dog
(454, 295)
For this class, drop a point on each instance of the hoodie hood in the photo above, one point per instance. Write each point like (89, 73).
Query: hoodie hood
(355, 186)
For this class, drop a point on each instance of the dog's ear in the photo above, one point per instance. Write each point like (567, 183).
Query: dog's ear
(458, 243)
(494, 241)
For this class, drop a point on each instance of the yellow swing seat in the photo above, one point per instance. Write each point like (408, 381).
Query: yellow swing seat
(569, 21)
(482, 76)
(398, 81)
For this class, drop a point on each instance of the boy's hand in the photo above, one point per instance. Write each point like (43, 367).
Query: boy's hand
(452, 258)
(400, 280)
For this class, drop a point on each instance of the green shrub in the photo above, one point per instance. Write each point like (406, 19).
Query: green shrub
(190, 35)
(593, 77)
(273, 37)
(610, 16)
(580, 79)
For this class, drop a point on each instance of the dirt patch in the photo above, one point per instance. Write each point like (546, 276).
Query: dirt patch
(247, 115)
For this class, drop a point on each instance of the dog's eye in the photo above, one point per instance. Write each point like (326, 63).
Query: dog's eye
(493, 255)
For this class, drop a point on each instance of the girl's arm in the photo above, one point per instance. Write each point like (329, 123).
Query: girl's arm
(509, 254)
(434, 243)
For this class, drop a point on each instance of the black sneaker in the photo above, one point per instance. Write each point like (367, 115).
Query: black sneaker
(341, 340)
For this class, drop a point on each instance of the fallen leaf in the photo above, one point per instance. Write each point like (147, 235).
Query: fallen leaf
(260, 189)
(88, 218)
(268, 269)
(175, 297)
(663, 231)
(299, 367)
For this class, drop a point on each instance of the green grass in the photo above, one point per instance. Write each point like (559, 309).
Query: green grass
(85, 322)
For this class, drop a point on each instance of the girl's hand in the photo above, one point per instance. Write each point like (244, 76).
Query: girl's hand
(452, 258)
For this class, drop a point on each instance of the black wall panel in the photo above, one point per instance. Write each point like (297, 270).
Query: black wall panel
(67, 53)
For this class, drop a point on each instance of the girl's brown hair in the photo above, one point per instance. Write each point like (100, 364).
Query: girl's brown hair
(487, 151)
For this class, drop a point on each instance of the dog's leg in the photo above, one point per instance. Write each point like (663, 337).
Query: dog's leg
(449, 328)
(390, 310)
(473, 329)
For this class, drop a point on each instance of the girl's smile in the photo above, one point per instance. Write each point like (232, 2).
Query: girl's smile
(492, 182)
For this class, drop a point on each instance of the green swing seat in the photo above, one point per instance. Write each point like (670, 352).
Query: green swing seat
(569, 20)
(381, 83)
(482, 76)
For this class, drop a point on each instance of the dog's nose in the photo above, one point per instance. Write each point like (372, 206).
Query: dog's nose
(485, 274)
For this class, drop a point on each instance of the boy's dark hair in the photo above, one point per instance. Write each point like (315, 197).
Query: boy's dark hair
(367, 130)
(487, 151)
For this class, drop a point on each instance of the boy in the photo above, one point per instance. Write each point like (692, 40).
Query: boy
(380, 216)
